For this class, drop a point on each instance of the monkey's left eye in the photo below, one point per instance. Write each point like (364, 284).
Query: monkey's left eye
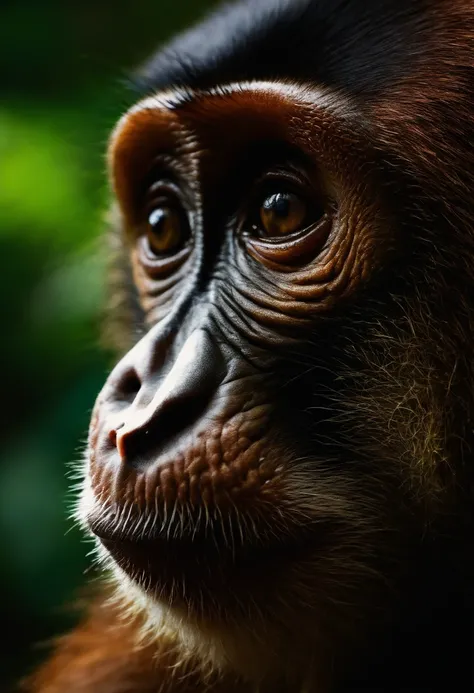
(282, 210)
(281, 214)
(288, 224)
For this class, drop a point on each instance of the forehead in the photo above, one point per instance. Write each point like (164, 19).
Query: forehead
(357, 46)
(222, 124)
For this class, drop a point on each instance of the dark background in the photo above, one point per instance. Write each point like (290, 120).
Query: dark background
(62, 64)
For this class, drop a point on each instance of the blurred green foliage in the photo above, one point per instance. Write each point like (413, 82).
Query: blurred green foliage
(61, 89)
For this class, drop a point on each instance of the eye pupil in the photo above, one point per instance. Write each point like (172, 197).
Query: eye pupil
(282, 213)
(278, 204)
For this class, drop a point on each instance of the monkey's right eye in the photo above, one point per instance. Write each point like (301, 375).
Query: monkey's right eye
(165, 233)
(165, 229)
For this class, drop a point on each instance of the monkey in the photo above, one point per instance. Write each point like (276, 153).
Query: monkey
(279, 470)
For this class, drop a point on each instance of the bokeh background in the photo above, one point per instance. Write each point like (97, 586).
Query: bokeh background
(62, 85)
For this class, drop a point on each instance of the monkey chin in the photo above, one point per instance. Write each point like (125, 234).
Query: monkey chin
(248, 648)
(205, 571)
(212, 596)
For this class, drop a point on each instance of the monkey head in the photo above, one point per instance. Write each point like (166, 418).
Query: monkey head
(281, 444)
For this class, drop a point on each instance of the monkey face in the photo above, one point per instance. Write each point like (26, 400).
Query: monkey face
(279, 470)
(248, 454)
(222, 447)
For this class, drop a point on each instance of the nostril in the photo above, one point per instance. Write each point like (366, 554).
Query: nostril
(129, 385)
(174, 418)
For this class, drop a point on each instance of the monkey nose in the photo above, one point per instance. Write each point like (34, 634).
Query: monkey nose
(178, 402)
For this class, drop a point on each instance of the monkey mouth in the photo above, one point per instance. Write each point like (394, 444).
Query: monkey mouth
(204, 576)
(188, 495)
(202, 566)
(161, 560)
(218, 531)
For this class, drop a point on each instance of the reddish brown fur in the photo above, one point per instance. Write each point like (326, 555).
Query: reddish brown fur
(102, 656)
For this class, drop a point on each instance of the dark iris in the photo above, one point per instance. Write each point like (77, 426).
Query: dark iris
(166, 230)
(282, 213)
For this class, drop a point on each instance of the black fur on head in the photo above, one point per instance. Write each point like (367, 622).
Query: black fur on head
(360, 47)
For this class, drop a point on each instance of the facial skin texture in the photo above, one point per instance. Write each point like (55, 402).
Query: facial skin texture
(279, 470)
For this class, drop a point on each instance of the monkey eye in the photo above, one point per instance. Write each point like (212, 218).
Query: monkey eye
(165, 233)
(287, 225)
(166, 227)
(281, 214)
(283, 208)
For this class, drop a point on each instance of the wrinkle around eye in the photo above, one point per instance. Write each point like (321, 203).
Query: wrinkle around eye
(157, 294)
(256, 314)
(286, 255)
(156, 288)
(156, 266)
(287, 302)
(330, 273)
